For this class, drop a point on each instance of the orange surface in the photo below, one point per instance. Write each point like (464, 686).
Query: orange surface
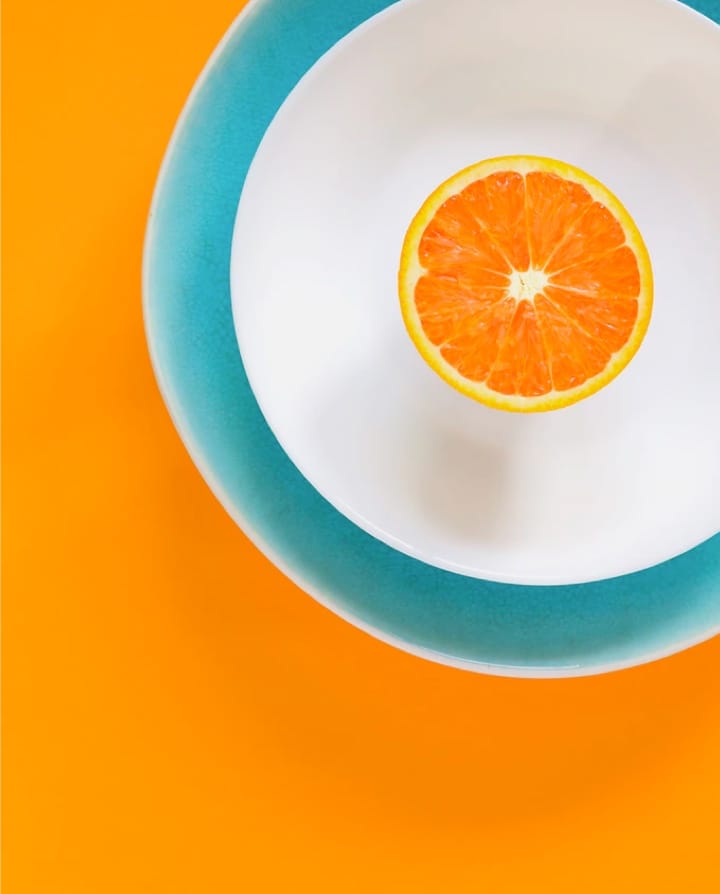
(180, 718)
(525, 283)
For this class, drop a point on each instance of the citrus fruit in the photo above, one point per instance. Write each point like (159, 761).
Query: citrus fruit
(525, 283)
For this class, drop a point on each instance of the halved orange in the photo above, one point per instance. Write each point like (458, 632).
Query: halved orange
(525, 283)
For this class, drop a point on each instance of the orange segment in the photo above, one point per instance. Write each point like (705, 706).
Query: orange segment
(473, 350)
(609, 276)
(498, 204)
(574, 355)
(455, 241)
(447, 306)
(596, 232)
(521, 366)
(610, 322)
(553, 206)
(525, 283)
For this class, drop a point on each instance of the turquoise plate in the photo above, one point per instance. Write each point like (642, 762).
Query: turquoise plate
(495, 628)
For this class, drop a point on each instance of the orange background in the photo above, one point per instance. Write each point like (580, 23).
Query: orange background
(178, 716)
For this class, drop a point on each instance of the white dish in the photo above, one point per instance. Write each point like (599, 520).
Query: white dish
(616, 483)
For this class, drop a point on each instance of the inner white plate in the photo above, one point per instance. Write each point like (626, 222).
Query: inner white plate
(627, 92)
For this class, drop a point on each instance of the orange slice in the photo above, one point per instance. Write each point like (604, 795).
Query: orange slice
(525, 283)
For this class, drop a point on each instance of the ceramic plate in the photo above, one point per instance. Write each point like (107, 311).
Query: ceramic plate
(497, 628)
(613, 484)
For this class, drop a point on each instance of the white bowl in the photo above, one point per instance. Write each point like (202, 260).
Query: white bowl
(628, 92)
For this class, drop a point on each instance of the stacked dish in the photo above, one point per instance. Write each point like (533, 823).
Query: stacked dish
(554, 543)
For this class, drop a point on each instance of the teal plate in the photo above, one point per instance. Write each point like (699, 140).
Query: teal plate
(489, 627)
